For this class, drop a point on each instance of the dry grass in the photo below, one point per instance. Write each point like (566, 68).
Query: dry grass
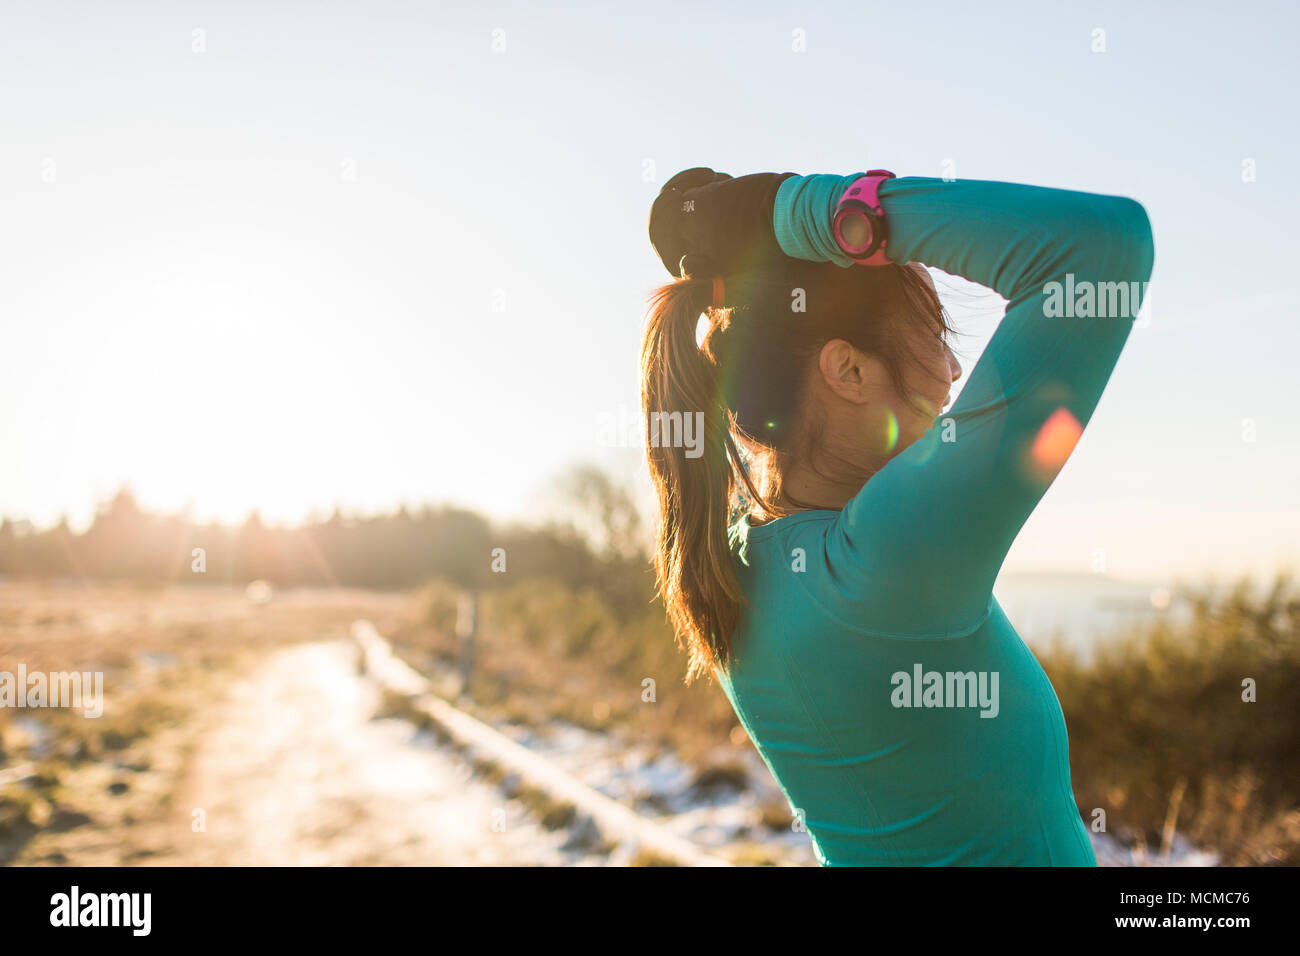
(545, 652)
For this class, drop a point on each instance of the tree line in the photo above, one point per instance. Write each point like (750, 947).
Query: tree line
(589, 539)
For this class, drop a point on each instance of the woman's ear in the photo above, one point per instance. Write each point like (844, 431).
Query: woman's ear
(851, 374)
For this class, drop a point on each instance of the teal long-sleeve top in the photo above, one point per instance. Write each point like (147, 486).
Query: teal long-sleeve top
(902, 715)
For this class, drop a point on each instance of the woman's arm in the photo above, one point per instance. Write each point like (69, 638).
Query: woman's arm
(935, 524)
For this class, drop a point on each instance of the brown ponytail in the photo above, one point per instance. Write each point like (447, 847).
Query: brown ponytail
(697, 579)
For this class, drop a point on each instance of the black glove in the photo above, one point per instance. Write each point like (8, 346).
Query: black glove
(723, 224)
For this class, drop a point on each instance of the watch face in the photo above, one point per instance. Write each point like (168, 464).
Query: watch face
(854, 232)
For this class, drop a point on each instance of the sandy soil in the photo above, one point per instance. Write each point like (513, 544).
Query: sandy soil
(294, 767)
(301, 772)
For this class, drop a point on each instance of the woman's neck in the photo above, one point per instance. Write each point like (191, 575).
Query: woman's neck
(804, 489)
(805, 492)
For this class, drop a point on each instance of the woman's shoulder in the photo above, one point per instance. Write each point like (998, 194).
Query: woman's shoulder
(751, 535)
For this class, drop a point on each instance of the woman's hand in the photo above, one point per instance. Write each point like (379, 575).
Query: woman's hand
(724, 223)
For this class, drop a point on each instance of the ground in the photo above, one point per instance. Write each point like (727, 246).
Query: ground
(295, 768)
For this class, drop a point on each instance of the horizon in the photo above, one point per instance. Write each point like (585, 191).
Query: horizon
(1258, 577)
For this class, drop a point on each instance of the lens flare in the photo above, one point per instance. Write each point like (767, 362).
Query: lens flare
(890, 432)
(1053, 444)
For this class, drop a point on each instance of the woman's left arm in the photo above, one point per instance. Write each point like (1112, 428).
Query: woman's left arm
(935, 524)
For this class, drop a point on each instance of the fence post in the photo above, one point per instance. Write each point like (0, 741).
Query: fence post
(467, 631)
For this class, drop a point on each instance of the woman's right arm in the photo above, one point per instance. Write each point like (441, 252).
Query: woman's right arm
(935, 524)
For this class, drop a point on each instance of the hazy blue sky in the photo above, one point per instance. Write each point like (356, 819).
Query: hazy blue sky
(348, 252)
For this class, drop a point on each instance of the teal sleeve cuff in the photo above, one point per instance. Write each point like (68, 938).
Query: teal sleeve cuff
(802, 214)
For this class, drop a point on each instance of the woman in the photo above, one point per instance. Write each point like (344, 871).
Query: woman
(829, 553)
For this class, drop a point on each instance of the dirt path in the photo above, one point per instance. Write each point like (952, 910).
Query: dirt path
(299, 771)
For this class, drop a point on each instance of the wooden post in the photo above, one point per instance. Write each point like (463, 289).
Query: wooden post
(467, 631)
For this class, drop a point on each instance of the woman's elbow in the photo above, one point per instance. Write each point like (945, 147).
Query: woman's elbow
(1131, 244)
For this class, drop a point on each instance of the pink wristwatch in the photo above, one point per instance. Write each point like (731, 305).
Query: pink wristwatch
(859, 225)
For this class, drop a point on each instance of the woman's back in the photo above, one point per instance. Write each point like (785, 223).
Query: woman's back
(972, 771)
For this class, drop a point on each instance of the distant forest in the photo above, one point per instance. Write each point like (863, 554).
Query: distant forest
(591, 538)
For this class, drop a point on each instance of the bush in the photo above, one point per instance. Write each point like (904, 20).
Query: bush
(1161, 713)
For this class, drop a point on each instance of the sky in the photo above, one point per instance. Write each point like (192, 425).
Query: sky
(291, 255)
